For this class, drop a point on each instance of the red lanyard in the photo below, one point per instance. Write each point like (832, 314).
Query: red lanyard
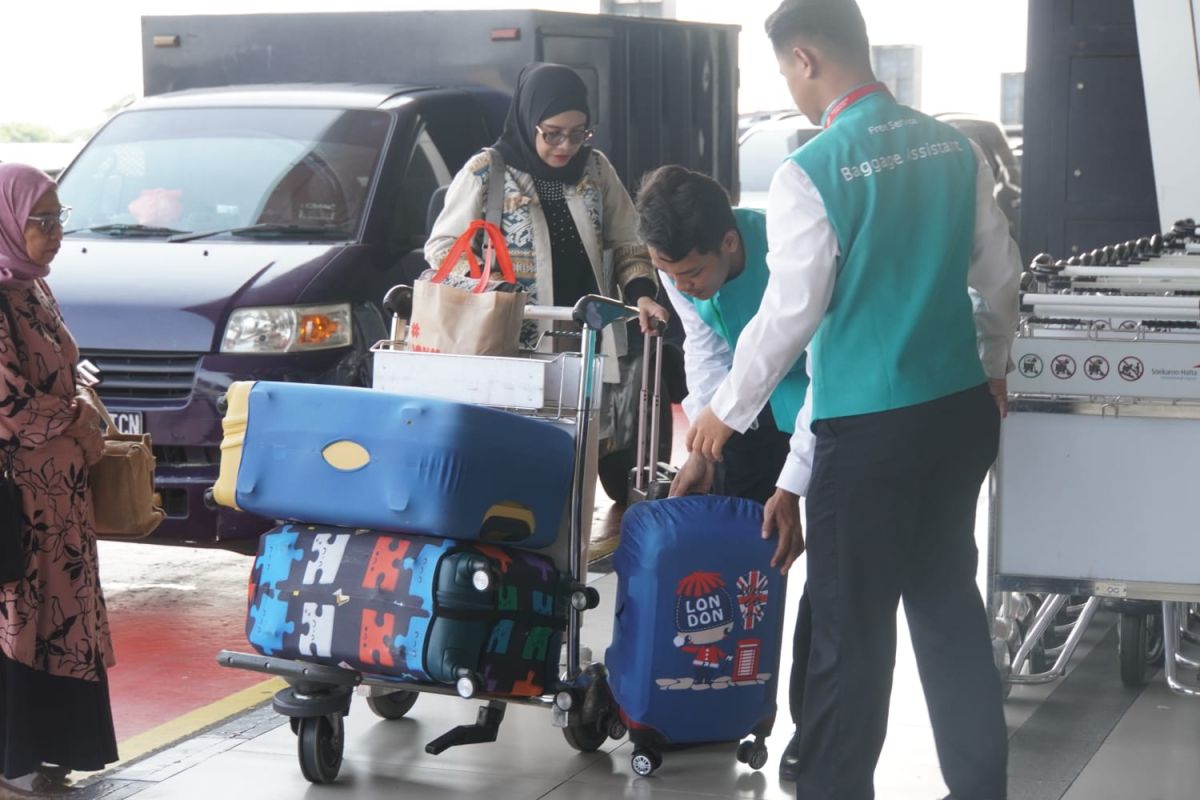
(852, 98)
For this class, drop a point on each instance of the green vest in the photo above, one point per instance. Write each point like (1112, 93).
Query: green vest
(728, 311)
(899, 189)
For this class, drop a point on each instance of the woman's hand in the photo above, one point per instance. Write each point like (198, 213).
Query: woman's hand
(648, 311)
(85, 430)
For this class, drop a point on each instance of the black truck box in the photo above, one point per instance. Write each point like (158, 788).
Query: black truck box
(662, 91)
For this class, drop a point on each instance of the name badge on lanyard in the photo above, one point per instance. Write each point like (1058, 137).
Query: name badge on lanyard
(852, 98)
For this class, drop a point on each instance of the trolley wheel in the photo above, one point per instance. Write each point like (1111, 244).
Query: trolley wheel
(1137, 647)
(1002, 653)
(320, 747)
(393, 705)
(744, 750)
(585, 738)
(645, 761)
(758, 757)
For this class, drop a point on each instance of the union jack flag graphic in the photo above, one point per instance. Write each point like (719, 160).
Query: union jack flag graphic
(752, 598)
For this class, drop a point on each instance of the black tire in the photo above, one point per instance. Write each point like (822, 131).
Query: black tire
(320, 747)
(744, 750)
(394, 705)
(585, 738)
(758, 757)
(1155, 652)
(1133, 647)
(613, 471)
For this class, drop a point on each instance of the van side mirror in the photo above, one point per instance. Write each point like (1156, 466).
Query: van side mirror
(437, 201)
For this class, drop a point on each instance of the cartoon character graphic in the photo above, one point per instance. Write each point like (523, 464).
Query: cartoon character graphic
(704, 615)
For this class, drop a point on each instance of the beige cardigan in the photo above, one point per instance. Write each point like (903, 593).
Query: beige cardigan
(603, 213)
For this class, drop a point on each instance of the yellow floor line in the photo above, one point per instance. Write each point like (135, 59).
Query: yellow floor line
(183, 726)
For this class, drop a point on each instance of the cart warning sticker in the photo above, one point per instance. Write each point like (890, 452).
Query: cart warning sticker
(1063, 367)
(1096, 368)
(1031, 365)
(1131, 369)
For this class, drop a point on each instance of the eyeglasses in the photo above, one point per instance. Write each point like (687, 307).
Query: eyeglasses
(555, 138)
(46, 222)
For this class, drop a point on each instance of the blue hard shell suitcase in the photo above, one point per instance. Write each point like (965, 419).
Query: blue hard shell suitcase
(364, 458)
(409, 607)
(698, 627)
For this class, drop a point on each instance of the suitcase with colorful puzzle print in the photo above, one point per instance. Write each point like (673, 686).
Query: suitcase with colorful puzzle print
(415, 608)
(353, 457)
(698, 627)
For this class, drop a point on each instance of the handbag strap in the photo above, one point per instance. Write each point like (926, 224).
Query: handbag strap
(7, 309)
(494, 212)
(101, 409)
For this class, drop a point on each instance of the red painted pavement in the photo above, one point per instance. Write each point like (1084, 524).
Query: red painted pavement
(171, 609)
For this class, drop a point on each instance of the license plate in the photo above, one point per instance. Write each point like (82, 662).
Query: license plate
(128, 421)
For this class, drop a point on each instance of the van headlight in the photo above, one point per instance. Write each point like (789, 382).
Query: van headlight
(287, 329)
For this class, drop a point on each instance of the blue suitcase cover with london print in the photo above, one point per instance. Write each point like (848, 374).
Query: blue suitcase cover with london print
(699, 620)
(365, 458)
(404, 606)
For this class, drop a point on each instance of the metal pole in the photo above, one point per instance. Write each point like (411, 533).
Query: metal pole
(653, 466)
(582, 433)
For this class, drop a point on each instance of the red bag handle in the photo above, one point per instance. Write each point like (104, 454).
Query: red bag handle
(498, 251)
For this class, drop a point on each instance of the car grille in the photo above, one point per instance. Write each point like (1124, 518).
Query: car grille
(177, 456)
(136, 376)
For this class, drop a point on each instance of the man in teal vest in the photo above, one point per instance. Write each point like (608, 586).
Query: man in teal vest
(714, 259)
(892, 266)
(714, 262)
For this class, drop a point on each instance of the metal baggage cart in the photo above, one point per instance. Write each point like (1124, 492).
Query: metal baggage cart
(561, 388)
(1093, 491)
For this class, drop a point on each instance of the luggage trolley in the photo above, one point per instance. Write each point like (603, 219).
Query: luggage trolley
(561, 388)
(1093, 491)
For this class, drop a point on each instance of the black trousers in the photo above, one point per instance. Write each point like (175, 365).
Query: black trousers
(751, 467)
(752, 460)
(891, 513)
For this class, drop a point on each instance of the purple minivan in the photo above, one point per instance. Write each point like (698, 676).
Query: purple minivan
(247, 234)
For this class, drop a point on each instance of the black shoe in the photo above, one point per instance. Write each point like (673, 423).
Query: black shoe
(789, 764)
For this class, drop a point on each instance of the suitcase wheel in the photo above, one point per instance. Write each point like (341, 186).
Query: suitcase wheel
(616, 727)
(393, 705)
(752, 753)
(644, 761)
(320, 747)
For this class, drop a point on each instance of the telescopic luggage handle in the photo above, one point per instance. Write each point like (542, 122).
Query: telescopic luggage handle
(644, 474)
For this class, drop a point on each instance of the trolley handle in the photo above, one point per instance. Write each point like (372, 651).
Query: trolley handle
(550, 313)
(597, 312)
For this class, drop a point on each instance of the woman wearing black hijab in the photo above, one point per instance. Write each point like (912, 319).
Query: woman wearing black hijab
(564, 209)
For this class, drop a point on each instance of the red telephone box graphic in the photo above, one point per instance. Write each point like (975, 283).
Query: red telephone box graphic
(745, 659)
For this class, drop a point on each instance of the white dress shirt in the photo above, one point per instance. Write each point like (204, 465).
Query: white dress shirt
(802, 256)
(707, 360)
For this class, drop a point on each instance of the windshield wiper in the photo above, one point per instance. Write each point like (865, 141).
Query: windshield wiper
(268, 229)
(128, 229)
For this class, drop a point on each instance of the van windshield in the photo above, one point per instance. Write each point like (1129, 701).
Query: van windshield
(162, 172)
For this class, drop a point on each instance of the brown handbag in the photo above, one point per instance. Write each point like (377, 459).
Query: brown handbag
(123, 496)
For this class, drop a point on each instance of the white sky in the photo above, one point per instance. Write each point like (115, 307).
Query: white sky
(64, 62)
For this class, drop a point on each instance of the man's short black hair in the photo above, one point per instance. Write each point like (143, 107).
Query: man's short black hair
(838, 24)
(680, 211)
